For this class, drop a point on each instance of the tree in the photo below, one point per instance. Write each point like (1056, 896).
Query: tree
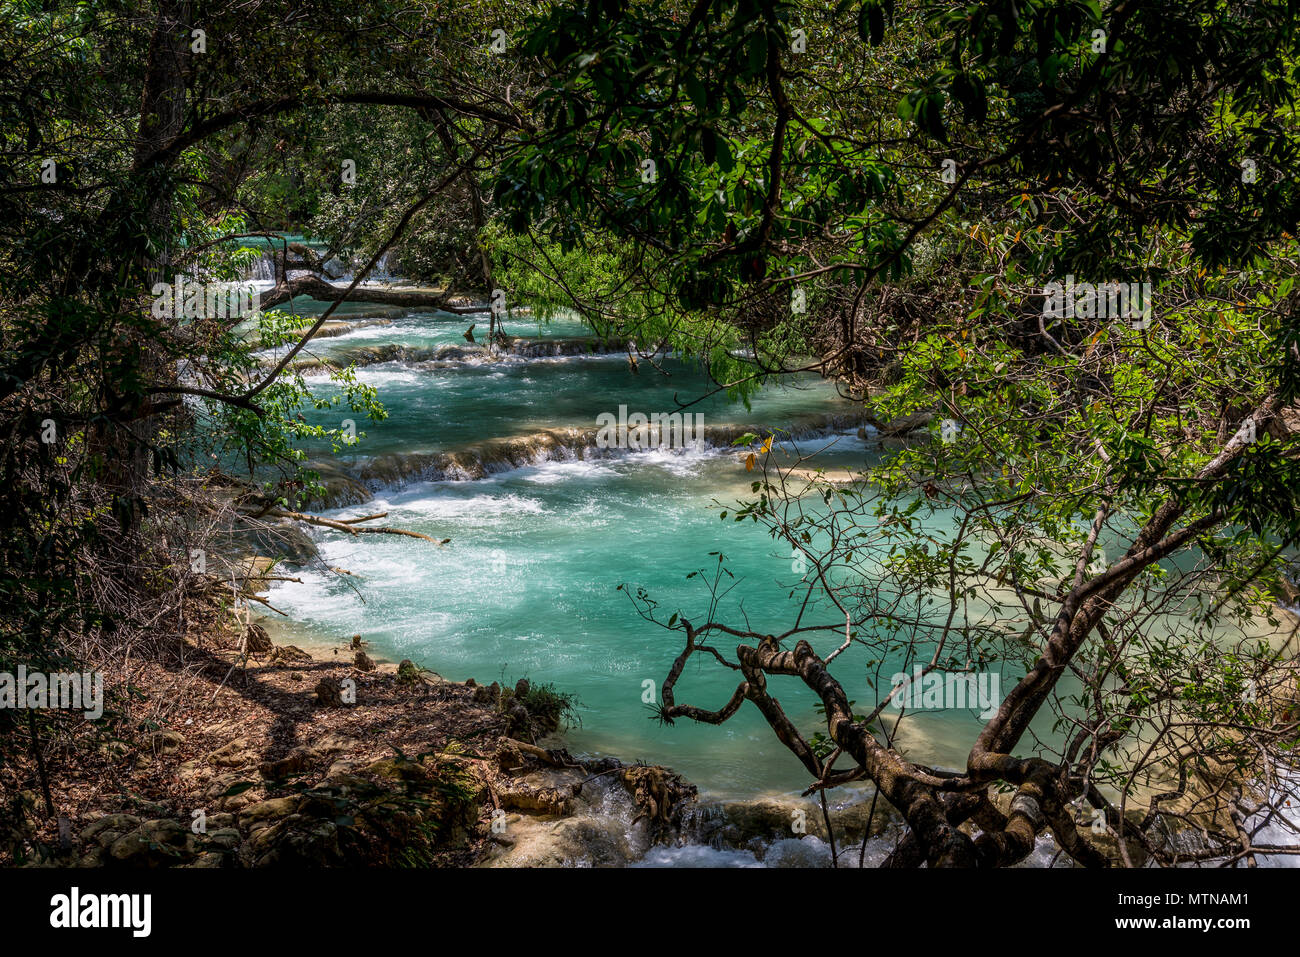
(141, 145)
(930, 214)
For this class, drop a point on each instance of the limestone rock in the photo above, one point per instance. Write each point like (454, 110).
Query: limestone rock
(295, 762)
(260, 814)
(159, 843)
(110, 826)
(224, 837)
(166, 741)
(233, 754)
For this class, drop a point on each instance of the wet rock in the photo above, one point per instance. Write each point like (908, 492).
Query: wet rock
(284, 540)
(809, 851)
(763, 820)
(544, 800)
(568, 842)
(340, 488)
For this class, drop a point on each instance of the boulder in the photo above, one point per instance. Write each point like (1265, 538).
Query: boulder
(166, 741)
(234, 753)
(109, 828)
(264, 812)
(227, 838)
(159, 843)
(230, 792)
(567, 842)
(295, 762)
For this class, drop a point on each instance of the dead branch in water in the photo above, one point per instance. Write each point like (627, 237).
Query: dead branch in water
(351, 528)
(365, 518)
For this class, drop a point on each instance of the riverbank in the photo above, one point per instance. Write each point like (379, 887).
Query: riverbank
(241, 753)
(236, 752)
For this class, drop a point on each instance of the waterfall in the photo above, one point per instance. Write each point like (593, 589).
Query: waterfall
(261, 269)
(344, 272)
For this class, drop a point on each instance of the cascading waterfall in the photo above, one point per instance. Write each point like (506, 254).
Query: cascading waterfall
(500, 457)
(263, 268)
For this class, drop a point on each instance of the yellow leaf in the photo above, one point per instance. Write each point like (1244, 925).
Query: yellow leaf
(767, 446)
(749, 462)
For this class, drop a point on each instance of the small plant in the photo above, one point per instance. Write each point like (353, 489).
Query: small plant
(550, 710)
